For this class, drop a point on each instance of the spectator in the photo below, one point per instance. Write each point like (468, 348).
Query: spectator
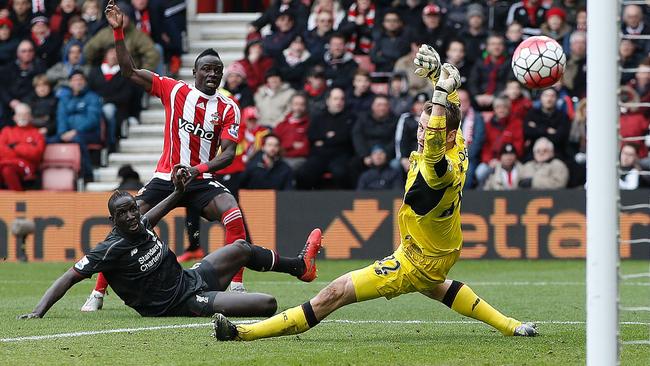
(91, 14)
(174, 33)
(556, 27)
(21, 150)
(359, 26)
(641, 85)
(116, 92)
(406, 131)
(360, 97)
(530, 14)
(78, 119)
(505, 176)
(61, 17)
(147, 16)
(520, 103)
(489, 75)
(514, 36)
(432, 30)
(16, 77)
(300, 11)
(272, 100)
(571, 8)
(497, 14)
(292, 132)
(380, 175)
(130, 179)
(391, 43)
(254, 132)
(72, 60)
(411, 11)
(633, 124)
(634, 24)
(577, 147)
(332, 8)
(280, 39)
(255, 64)
(374, 128)
(21, 16)
(628, 58)
(474, 36)
(43, 105)
(8, 44)
(398, 92)
(235, 84)
(78, 31)
(575, 72)
(456, 13)
(267, 170)
(473, 128)
(294, 62)
(581, 20)
(405, 65)
(315, 88)
(501, 129)
(48, 43)
(317, 38)
(565, 102)
(339, 64)
(546, 121)
(456, 56)
(544, 171)
(330, 149)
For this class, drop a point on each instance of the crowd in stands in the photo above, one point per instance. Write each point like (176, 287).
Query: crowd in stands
(327, 91)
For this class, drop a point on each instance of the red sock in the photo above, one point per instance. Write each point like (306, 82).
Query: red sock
(233, 221)
(101, 283)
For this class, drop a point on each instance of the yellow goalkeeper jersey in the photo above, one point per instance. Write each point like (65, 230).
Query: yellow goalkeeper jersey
(430, 213)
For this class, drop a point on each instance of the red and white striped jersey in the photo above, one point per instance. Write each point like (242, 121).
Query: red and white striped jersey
(195, 124)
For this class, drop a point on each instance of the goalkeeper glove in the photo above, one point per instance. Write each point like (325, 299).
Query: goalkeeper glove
(427, 61)
(448, 82)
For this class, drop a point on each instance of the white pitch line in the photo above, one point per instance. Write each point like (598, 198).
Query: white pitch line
(635, 308)
(635, 275)
(637, 342)
(336, 321)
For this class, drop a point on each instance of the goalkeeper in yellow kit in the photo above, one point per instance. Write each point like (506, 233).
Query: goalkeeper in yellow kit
(430, 228)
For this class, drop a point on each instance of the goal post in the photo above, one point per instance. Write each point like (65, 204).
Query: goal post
(602, 182)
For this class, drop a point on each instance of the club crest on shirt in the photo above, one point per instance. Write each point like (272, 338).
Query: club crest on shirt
(215, 118)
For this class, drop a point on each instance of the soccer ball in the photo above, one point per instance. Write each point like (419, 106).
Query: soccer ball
(538, 62)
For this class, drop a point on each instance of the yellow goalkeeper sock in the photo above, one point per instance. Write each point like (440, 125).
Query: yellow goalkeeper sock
(463, 300)
(292, 321)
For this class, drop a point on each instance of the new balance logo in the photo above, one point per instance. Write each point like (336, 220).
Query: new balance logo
(133, 251)
(195, 129)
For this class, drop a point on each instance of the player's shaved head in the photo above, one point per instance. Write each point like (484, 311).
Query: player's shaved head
(207, 52)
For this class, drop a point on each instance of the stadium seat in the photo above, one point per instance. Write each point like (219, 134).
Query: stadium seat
(364, 62)
(379, 88)
(60, 167)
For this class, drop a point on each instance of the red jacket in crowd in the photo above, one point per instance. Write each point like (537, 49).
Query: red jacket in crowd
(22, 146)
(635, 125)
(255, 72)
(293, 136)
(520, 106)
(499, 132)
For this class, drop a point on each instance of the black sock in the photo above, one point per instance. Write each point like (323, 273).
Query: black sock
(192, 224)
(264, 260)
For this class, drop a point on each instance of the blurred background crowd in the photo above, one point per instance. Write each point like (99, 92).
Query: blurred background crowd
(326, 89)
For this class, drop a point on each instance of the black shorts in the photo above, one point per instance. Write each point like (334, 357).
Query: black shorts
(197, 194)
(200, 303)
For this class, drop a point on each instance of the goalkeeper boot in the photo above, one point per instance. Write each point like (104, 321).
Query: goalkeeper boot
(94, 302)
(308, 255)
(526, 330)
(224, 330)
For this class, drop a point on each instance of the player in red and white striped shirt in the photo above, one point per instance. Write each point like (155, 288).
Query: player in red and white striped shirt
(201, 131)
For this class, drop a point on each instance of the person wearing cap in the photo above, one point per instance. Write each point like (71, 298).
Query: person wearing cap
(406, 131)
(78, 119)
(380, 175)
(255, 64)
(8, 43)
(432, 30)
(281, 38)
(235, 84)
(21, 16)
(272, 99)
(48, 43)
(391, 43)
(545, 171)
(294, 62)
(506, 173)
(555, 26)
(474, 35)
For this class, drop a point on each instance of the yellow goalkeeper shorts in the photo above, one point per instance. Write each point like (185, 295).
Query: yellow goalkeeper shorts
(407, 270)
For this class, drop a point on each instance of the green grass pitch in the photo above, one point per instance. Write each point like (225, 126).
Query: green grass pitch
(379, 332)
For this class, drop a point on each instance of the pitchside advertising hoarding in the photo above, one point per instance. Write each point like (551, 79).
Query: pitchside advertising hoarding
(507, 225)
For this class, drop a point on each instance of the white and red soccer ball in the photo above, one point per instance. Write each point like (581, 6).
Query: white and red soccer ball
(538, 62)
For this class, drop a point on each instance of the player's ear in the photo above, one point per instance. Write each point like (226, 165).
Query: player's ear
(451, 136)
(111, 219)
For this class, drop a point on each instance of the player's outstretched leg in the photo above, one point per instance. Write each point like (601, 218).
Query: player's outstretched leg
(296, 320)
(96, 299)
(193, 227)
(462, 299)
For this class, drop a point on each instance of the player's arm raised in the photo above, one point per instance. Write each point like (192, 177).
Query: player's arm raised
(115, 19)
(180, 177)
(54, 293)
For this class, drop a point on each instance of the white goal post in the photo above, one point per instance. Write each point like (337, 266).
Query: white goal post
(602, 182)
